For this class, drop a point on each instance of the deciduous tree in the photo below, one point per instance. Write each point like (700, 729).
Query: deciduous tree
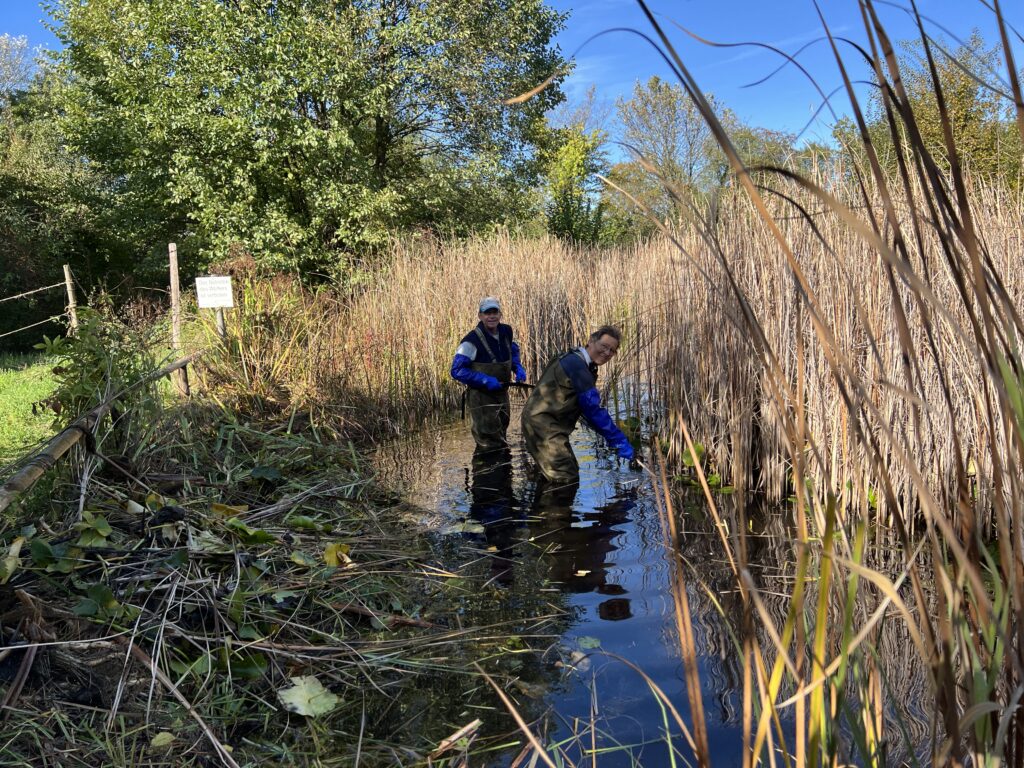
(309, 129)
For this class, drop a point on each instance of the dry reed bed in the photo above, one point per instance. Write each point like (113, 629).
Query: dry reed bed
(714, 598)
(685, 337)
(387, 350)
(708, 370)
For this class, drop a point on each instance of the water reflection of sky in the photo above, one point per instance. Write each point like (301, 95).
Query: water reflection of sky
(604, 553)
(603, 556)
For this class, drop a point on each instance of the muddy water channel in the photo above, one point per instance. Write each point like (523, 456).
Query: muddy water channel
(600, 563)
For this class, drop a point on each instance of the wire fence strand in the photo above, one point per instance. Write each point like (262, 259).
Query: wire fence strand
(41, 322)
(29, 293)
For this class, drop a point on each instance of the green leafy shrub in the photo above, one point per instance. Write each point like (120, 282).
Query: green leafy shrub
(104, 358)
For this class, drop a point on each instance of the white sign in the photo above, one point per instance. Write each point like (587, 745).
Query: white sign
(214, 292)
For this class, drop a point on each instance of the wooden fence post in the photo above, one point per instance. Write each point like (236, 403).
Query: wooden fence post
(179, 377)
(222, 326)
(72, 303)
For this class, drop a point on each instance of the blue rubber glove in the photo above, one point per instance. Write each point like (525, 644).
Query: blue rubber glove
(461, 372)
(517, 366)
(598, 418)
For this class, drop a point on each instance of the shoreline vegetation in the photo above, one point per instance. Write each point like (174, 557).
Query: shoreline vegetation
(846, 339)
(234, 594)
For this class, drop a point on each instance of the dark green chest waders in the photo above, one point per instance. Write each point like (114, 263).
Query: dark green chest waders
(549, 417)
(489, 411)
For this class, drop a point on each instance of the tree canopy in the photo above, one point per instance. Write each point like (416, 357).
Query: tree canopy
(305, 130)
(987, 142)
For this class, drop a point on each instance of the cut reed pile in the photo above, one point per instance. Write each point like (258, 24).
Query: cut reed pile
(231, 595)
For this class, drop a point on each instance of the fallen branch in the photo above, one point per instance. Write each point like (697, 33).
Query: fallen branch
(62, 442)
(465, 731)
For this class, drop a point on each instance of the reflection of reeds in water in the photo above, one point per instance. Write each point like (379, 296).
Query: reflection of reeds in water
(717, 604)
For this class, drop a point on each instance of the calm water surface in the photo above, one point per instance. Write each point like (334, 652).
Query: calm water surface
(601, 555)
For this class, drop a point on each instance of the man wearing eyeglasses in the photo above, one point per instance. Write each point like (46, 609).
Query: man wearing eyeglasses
(486, 360)
(567, 390)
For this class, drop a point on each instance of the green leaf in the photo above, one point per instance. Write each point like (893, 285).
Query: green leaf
(103, 596)
(91, 538)
(688, 458)
(101, 526)
(266, 473)
(162, 740)
(308, 697)
(588, 643)
(301, 558)
(249, 632)
(206, 541)
(200, 667)
(86, 607)
(249, 535)
(250, 666)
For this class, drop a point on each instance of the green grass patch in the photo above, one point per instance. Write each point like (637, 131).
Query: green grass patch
(24, 379)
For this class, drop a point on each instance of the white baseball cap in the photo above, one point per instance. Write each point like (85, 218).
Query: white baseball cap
(489, 303)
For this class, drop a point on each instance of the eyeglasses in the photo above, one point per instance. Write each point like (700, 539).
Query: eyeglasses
(610, 351)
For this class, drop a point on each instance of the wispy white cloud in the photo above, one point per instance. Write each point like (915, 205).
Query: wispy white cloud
(789, 45)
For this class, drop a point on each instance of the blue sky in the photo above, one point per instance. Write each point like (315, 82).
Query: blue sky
(787, 101)
(615, 61)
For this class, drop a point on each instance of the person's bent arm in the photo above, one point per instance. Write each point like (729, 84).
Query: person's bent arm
(601, 421)
(517, 366)
(462, 373)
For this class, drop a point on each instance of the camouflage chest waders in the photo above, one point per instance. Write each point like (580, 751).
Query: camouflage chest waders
(549, 417)
(489, 411)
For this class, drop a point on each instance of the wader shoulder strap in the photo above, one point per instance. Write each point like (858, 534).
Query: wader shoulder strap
(486, 343)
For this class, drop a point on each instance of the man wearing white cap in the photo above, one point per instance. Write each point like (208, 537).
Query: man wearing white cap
(485, 361)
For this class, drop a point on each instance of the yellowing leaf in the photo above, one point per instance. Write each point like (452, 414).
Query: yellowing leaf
(307, 697)
(13, 559)
(205, 541)
(226, 509)
(336, 554)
